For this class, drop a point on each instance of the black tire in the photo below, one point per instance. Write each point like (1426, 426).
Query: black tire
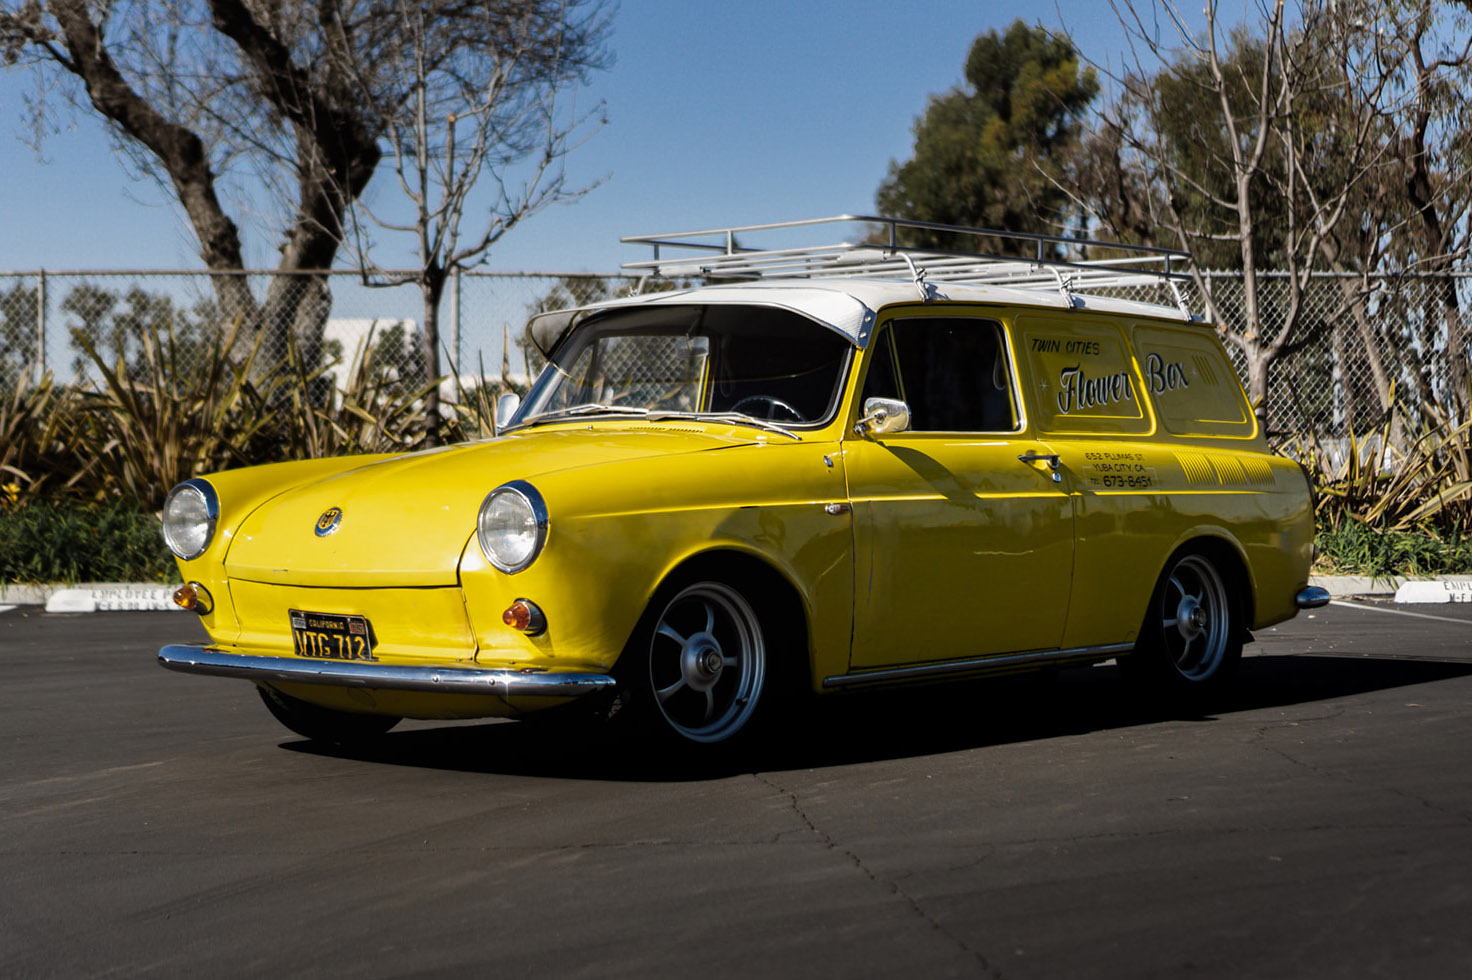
(1191, 640)
(696, 669)
(324, 724)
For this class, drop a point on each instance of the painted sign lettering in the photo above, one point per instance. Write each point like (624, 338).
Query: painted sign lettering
(1057, 345)
(1162, 377)
(1079, 391)
(1117, 471)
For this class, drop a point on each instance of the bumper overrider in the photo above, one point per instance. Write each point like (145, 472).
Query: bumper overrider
(501, 682)
(1312, 597)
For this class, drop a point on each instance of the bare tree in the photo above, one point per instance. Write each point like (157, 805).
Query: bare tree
(495, 116)
(1429, 138)
(1250, 148)
(218, 98)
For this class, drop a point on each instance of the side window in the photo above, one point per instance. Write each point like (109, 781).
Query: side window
(953, 372)
(1191, 383)
(1082, 373)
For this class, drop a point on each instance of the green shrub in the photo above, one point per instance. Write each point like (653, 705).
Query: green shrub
(1354, 548)
(69, 541)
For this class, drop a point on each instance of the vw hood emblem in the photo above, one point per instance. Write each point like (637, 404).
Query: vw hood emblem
(328, 522)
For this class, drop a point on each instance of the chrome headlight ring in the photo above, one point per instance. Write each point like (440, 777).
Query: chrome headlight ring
(191, 511)
(512, 526)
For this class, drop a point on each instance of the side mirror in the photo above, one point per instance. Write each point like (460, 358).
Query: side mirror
(506, 407)
(883, 416)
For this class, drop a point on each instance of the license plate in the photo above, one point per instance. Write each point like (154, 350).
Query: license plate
(331, 636)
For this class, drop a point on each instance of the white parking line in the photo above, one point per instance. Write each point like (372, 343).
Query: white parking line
(1401, 612)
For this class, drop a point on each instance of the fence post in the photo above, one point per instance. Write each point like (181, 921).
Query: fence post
(40, 326)
(455, 324)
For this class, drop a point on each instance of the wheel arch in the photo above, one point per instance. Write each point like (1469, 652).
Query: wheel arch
(1230, 557)
(768, 589)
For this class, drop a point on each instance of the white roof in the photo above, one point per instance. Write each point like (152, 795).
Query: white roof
(848, 306)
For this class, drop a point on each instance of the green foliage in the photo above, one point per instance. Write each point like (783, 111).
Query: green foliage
(1425, 486)
(36, 453)
(1360, 549)
(1386, 511)
(168, 417)
(71, 541)
(168, 407)
(376, 410)
(986, 154)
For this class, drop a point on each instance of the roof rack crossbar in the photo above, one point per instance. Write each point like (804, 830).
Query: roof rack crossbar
(1051, 260)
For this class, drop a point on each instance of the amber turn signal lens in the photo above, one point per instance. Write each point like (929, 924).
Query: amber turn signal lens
(194, 597)
(518, 616)
(524, 615)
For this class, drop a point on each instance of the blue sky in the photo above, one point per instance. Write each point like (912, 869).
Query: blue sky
(719, 113)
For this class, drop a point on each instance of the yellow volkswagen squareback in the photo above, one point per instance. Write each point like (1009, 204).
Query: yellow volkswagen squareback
(847, 471)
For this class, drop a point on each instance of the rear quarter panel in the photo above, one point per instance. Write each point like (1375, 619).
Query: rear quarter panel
(1173, 456)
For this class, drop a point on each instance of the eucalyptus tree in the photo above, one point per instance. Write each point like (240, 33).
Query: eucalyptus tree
(986, 152)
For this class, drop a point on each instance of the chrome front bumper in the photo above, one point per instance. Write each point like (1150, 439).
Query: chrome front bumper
(502, 682)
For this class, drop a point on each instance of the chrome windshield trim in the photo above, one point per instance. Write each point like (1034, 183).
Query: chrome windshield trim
(502, 682)
(583, 410)
(972, 666)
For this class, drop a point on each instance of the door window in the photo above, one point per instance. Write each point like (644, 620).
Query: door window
(953, 372)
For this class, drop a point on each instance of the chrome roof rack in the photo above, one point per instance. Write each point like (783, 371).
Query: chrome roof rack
(1038, 262)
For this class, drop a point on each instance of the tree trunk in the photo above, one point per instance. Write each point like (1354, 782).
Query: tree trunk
(432, 288)
(1258, 360)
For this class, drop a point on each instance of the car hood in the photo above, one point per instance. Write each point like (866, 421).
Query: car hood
(404, 521)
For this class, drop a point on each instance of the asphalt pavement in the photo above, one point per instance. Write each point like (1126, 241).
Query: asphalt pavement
(1319, 824)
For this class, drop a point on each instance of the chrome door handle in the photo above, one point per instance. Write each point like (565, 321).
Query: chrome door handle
(1050, 458)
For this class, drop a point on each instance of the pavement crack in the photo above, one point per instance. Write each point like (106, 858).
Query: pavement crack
(1345, 777)
(892, 886)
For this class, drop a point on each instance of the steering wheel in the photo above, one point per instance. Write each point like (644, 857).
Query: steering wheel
(774, 405)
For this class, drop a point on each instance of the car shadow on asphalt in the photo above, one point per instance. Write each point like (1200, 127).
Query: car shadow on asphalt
(881, 725)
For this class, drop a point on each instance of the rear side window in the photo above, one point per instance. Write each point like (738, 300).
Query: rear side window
(1191, 383)
(953, 372)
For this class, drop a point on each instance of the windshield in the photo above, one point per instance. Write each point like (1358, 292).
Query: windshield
(755, 361)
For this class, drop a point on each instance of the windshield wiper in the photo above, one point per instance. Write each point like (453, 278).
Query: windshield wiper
(588, 409)
(741, 418)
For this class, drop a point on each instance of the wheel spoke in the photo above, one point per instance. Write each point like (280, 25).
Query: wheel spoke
(1176, 621)
(706, 685)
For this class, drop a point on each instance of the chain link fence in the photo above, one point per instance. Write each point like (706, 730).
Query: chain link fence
(50, 320)
(1361, 342)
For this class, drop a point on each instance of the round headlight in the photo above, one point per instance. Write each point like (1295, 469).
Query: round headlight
(512, 526)
(190, 513)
